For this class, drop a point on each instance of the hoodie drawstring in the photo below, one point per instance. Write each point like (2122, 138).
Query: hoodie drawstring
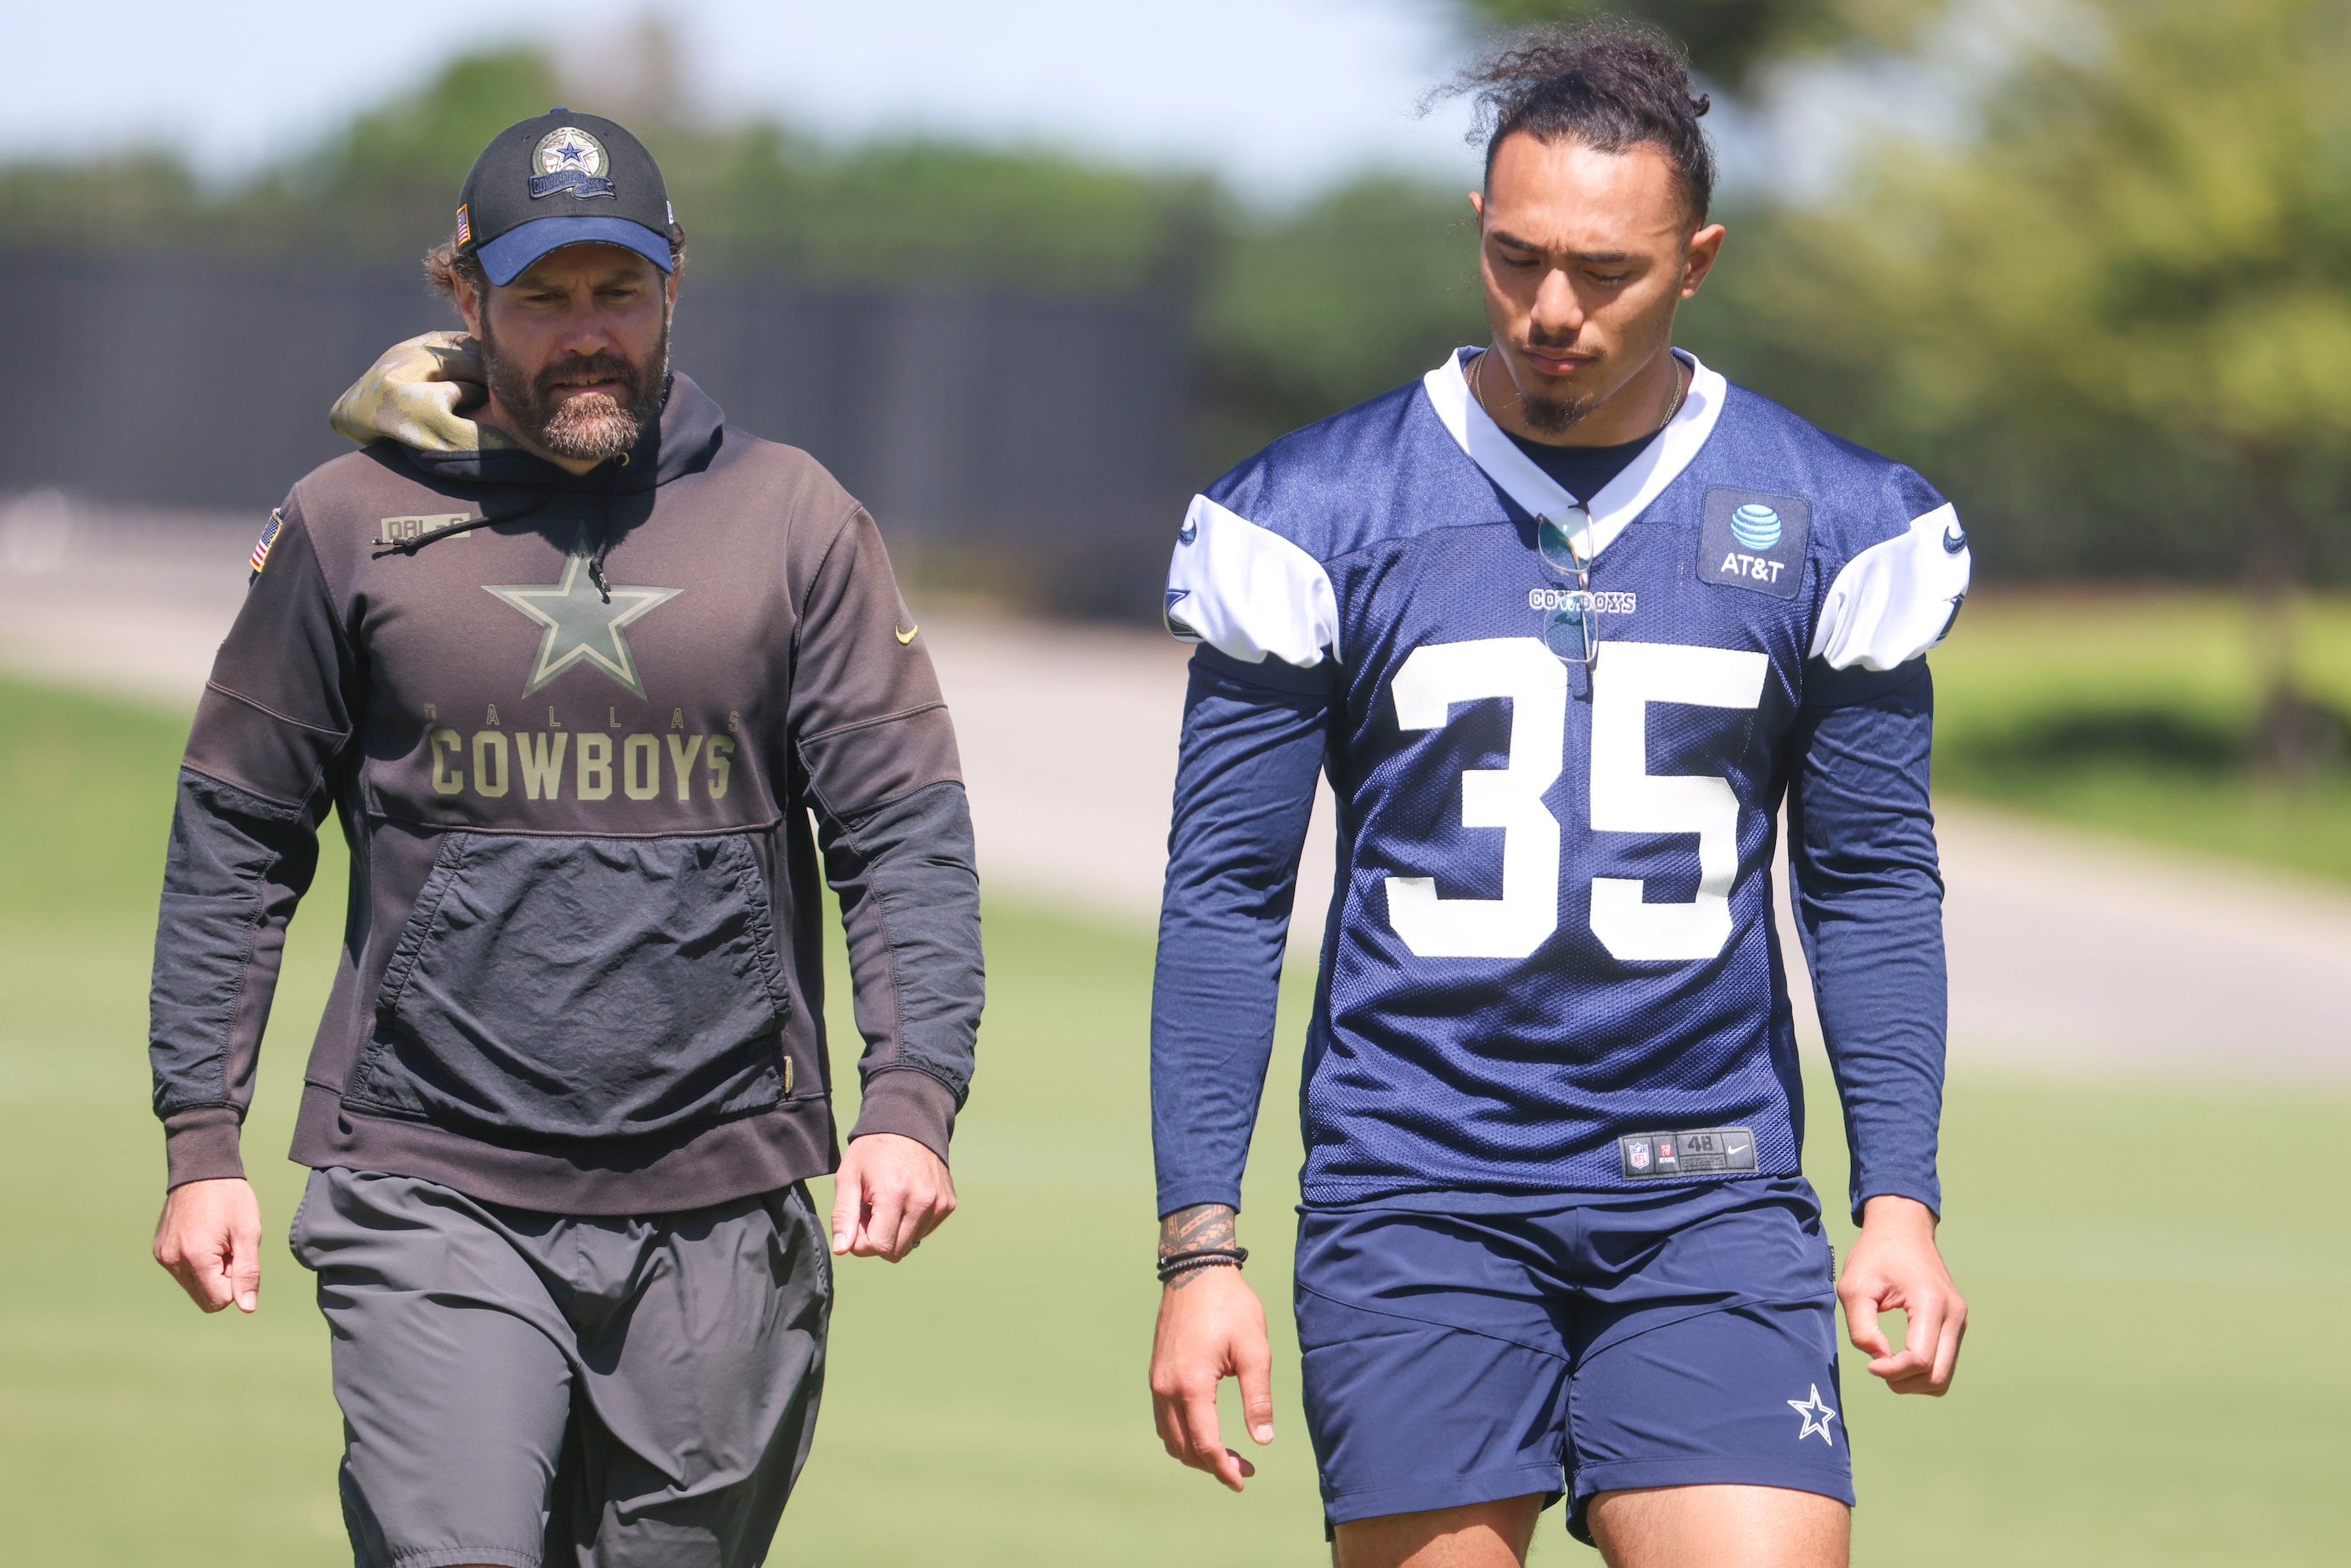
(488, 520)
(603, 549)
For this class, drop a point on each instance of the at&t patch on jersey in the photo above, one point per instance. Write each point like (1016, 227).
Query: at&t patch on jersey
(1710, 1151)
(261, 550)
(1746, 539)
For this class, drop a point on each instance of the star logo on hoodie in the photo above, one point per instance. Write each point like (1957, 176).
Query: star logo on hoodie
(583, 621)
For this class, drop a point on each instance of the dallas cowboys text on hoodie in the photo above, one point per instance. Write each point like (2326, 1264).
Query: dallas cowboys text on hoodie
(590, 740)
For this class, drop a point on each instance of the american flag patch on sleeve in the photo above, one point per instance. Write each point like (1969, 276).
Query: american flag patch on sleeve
(261, 550)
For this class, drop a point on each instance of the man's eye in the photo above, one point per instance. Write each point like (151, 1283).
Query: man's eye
(1610, 279)
(1521, 261)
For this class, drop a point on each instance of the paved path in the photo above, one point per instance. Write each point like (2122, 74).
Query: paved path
(2066, 952)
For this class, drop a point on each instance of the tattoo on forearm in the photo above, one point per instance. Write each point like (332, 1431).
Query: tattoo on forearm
(1189, 1229)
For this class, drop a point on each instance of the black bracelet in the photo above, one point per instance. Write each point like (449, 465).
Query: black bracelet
(1175, 1263)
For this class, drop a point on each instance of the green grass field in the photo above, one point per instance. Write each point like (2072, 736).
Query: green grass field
(2153, 1379)
(2129, 714)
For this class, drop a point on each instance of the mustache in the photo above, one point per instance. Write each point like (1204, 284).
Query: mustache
(601, 366)
(1560, 345)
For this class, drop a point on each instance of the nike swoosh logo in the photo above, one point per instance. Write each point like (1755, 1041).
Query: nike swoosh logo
(1189, 532)
(1954, 542)
(905, 637)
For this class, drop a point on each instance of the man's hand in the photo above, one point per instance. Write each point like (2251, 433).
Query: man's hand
(1211, 1327)
(1894, 1264)
(889, 1194)
(210, 1240)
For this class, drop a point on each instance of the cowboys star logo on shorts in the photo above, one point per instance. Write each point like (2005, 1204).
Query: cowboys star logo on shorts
(568, 159)
(1816, 1413)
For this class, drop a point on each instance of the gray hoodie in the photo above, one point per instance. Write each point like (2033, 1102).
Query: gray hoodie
(589, 739)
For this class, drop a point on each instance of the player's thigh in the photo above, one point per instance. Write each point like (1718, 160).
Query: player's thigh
(1744, 1396)
(1432, 1369)
(699, 1405)
(453, 1387)
(1720, 1526)
(1476, 1535)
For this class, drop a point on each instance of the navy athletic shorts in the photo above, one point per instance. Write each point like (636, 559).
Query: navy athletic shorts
(1464, 1348)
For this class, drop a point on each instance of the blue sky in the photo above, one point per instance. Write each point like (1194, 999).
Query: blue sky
(1281, 96)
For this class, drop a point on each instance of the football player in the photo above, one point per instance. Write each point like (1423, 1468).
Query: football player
(1565, 623)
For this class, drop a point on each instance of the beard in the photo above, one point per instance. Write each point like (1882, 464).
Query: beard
(1551, 416)
(592, 427)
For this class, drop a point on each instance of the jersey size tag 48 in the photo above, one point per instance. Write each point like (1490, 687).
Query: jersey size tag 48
(1710, 1151)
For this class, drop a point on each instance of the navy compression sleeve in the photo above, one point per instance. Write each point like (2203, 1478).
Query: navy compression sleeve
(1868, 897)
(1244, 792)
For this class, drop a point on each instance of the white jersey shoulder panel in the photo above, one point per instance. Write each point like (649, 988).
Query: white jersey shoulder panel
(1247, 592)
(1895, 601)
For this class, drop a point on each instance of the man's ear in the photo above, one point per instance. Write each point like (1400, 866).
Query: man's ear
(1699, 260)
(469, 302)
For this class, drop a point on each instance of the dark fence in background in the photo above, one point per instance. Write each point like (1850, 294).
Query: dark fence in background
(1034, 445)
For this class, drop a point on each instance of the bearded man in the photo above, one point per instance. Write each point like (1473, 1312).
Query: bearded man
(577, 665)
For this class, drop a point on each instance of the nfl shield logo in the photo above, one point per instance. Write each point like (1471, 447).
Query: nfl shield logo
(1640, 1153)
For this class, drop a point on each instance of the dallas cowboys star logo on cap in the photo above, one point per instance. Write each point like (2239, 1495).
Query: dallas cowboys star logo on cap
(568, 159)
(1817, 1416)
(581, 624)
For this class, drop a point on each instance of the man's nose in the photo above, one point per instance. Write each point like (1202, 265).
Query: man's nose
(585, 329)
(1558, 312)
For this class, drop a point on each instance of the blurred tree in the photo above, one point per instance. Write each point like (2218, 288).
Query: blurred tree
(387, 184)
(1308, 312)
(385, 187)
(130, 202)
(1729, 40)
(927, 212)
(2146, 247)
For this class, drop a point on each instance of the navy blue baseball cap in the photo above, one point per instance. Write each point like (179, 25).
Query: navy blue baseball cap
(563, 178)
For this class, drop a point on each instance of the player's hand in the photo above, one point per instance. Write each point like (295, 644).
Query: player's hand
(1895, 1265)
(1211, 1327)
(209, 1238)
(889, 1194)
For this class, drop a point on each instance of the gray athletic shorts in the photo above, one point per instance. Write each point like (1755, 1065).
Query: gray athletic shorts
(522, 1388)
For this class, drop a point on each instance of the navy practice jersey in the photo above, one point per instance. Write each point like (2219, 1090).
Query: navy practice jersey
(1550, 963)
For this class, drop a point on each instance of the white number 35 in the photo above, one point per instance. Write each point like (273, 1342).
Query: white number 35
(1626, 797)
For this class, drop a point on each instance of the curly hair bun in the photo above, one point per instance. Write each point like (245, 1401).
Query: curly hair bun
(1607, 84)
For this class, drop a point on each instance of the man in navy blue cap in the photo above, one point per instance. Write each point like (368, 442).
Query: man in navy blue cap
(603, 692)
(567, 208)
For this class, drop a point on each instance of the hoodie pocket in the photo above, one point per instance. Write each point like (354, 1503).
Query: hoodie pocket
(580, 988)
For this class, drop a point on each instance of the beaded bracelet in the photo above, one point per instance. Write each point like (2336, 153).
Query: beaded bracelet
(1175, 1263)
